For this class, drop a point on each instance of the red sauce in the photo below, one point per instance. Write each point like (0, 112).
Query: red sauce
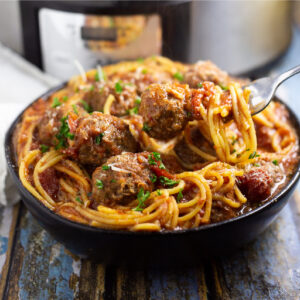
(49, 182)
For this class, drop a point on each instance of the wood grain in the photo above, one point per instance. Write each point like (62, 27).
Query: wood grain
(268, 268)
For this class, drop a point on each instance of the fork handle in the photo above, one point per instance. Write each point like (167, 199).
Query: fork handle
(284, 76)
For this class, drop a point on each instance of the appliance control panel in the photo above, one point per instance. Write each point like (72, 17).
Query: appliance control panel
(95, 39)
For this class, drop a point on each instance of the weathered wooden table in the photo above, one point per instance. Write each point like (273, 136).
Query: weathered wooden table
(34, 266)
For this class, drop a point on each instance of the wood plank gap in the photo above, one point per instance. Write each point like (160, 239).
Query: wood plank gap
(10, 249)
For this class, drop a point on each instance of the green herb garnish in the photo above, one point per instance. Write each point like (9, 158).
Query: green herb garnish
(256, 165)
(140, 60)
(92, 88)
(65, 98)
(154, 158)
(138, 100)
(78, 200)
(133, 111)
(179, 196)
(146, 128)
(275, 162)
(234, 140)
(223, 87)
(105, 167)
(178, 76)
(233, 151)
(55, 102)
(166, 181)
(75, 109)
(158, 192)
(98, 138)
(142, 198)
(63, 134)
(144, 71)
(253, 155)
(118, 88)
(44, 148)
(200, 85)
(99, 184)
(153, 178)
(113, 180)
(86, 106)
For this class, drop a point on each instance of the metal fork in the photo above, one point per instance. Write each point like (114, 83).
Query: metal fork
(263, 89)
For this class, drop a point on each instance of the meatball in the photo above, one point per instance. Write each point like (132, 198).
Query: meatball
(163, 109)
(98, 137)
(257, 183)
(121, 178)
(205, 71)
(51, 122)
(125, 97)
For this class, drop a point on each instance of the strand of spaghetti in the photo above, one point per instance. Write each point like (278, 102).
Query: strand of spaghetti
(226, 200)
(28, 159)
(110, 99)
(146, 227)
(74, 175)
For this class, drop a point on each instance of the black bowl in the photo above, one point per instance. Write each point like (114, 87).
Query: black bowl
(184, 247)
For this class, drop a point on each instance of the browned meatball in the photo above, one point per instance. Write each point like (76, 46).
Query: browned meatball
(98, 137)
(51, 122)
(125, 97)
(205, 71)
(121, 178)
(163, 109)
(257, 183)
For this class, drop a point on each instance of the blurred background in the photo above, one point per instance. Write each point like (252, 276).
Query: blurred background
(242, 37)
(40, 40)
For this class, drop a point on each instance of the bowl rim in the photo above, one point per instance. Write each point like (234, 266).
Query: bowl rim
(9, 155)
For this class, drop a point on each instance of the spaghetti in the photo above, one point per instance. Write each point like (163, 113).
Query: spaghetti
(208, 189)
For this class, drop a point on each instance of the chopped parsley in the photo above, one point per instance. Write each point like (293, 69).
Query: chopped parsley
(179, 196)
(223, 87)
(153, 178)
(146, 128)
(140, 60)
(253, 155)
(133, 111)
(233, 151)
(98, 138)
(178, 76)
(144, 71)
(105, 167)
(63, 134)
(55, 102)
(86, 106)
(78, 200)
(166, 181)
(256, 165)
(44, 148)
(200, 85)
(142, 198)
(65, 98)
(118, 87)
(92, 88)
(275, 162)
(138, 100)
(158, 192)
(75, 109)
(154, 158)
(234, 140)
(99, 184)
(113, 180)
